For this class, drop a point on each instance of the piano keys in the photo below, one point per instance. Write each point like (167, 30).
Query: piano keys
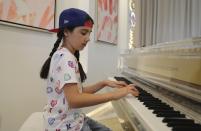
(158, 114)
(168, 77)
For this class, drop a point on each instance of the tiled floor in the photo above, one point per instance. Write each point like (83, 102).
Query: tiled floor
(107, 116)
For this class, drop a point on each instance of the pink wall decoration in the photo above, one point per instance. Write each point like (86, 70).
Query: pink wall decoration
(31, 13)
(107, 20)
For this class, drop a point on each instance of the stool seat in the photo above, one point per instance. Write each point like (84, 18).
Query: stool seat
(33, 123)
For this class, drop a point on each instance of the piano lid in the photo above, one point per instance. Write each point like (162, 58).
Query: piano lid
(173, 65)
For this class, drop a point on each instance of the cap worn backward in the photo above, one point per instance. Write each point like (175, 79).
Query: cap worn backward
(72, 17)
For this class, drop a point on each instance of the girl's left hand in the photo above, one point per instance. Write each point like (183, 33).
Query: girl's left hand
(115, 84)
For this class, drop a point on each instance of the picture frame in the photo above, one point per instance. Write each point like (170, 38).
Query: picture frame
(30, 14)
(107, 21)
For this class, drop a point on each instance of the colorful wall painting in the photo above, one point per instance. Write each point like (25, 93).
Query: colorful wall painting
(28, 13)
(107, 21)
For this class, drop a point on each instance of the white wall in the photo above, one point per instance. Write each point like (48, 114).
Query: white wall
(103, 57)
(22, 53)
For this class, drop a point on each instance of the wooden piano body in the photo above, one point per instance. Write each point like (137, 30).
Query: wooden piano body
(170, 72)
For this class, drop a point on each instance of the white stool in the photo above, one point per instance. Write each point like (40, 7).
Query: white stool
(33, 123)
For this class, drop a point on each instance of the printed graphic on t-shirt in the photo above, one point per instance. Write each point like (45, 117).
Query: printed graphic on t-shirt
(58, 116)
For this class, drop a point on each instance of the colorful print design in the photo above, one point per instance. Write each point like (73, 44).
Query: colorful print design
(68, 126)
(49, 90)
(51, 121)
(71, 64)
(64, 70)
(57, 87)
(67, 77)
(58, 91)
(53, 103)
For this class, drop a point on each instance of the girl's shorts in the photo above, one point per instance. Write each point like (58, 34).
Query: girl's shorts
(92, 125)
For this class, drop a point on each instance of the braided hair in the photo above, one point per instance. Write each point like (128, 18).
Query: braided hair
(46, 66)
(82, 73)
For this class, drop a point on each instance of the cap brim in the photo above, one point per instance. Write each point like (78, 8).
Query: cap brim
(54, 30)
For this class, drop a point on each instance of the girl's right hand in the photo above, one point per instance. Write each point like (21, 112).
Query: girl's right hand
(121, 92)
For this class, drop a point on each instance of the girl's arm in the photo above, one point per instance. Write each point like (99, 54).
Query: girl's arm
(78, 100)
(96, 87)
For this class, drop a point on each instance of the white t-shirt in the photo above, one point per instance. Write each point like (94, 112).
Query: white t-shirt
(57, 115)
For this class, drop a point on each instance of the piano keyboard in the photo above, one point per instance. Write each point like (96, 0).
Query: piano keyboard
(157, 115)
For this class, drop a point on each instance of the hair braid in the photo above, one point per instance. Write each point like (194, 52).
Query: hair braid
(46, 66)
(82, 73)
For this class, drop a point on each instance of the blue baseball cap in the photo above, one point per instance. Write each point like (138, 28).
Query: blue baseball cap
(73, 17)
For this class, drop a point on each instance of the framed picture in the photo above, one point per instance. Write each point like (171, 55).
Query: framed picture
(107, 21)
(34, 14)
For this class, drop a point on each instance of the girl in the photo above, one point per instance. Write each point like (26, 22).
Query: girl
(65, 75)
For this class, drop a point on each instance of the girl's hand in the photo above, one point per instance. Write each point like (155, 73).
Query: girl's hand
(115, 84)
(121, 92)
(132, 90)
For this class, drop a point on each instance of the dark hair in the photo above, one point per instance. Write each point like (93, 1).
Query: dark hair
(82, 73)
(46, 66)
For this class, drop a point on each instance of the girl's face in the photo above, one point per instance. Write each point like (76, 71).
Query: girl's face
(77, 39)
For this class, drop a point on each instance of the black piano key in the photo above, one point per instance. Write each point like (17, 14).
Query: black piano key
(177, 119)
(123, 79)
(186, 128)
(155, 104)
(158, 107)
(144, 96)
(147, 97)
(178, 123)
(162, 110)
(150, 101)
(165, 111)
(179, 116)
(195, 125)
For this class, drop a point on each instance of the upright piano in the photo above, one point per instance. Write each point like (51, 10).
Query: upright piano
(168, 77)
